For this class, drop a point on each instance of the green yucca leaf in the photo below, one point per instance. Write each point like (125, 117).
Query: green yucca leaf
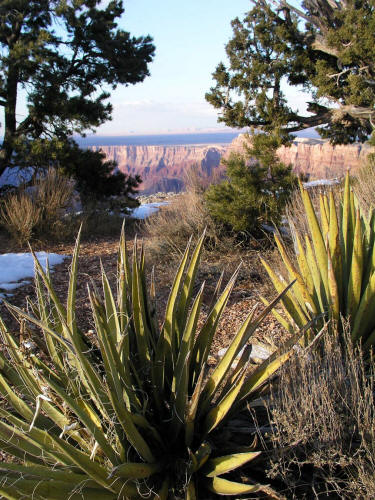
(222, 407)
(169, 327)
(347, 233)
(131, 470)
(46, 473)
(224, 487)
(88, 419)
(181, 372)
(281, 319)
(163, 492)
(117, 415)
(190, 492)
(324, 215)
(70, 306)
(356, 270)
(317, 237)
(334, 298)
(140, 325)
(192, 409)
(339, 278)
(304, 267)
(205, 336)
(222, 465)
(363, 322)
(300, 289)
(113, 319)
(226, 362)
(187, 288)
(292, 307)
(335, 247)
(44, 314)
(370, 341)
(316, 276)
(53, 490)
(200, 457)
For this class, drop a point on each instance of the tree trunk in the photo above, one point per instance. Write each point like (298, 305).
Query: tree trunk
(10, 122)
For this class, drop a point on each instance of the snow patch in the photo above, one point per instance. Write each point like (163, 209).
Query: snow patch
(321, 182)
(146, 209)
(15, 267)
(15, 176)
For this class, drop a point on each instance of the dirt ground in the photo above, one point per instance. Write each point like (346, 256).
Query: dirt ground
(252, 283)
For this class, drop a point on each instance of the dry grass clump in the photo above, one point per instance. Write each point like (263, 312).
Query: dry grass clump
(364, 188)
(324, 423)
(52, 194)
(36, 211)
(20, 215)
(171, 227)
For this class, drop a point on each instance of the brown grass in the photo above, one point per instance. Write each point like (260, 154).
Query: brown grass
(20, 215)
(324, 423)
(36, 211)
(364, 188)
(169, 230)
(52, 194)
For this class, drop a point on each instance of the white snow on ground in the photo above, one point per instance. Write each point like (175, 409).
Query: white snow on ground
(20, 266)
(15, 176)
(321, 182)
(146, 209)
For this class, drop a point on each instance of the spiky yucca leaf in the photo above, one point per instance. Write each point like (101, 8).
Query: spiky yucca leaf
(132, 411)
(336, 268)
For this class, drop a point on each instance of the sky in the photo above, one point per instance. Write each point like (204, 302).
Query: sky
(190, 39)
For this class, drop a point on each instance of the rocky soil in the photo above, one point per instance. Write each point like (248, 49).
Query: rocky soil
(251, 284)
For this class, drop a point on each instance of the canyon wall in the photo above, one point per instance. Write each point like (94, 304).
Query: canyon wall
(321, 160)
(164, 168)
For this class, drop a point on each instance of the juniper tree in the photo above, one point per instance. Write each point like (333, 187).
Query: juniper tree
(324, 47)
(257, 187)
(63, 56)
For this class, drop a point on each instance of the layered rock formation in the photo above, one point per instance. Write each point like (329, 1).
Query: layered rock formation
(317, 157)
(164, 168)
(320, 159)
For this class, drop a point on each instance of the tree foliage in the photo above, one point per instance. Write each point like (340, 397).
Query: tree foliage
(325, 48)
(257, 188)
(96, 177)
(64, 56)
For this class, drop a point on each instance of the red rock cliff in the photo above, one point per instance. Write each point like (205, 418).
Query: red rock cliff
(163, 168)
(318, 157)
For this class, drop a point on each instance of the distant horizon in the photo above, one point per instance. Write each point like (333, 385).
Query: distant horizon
(169, 139)
(173, 138)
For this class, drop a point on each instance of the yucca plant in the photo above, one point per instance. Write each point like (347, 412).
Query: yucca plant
(334, 267)
(135, 411)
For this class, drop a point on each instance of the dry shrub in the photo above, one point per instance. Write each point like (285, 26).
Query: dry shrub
(196, 181)
(171, 227)
(52, 194)
(36, 211)
(324, 423)
(364, 188)
(20, 215)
